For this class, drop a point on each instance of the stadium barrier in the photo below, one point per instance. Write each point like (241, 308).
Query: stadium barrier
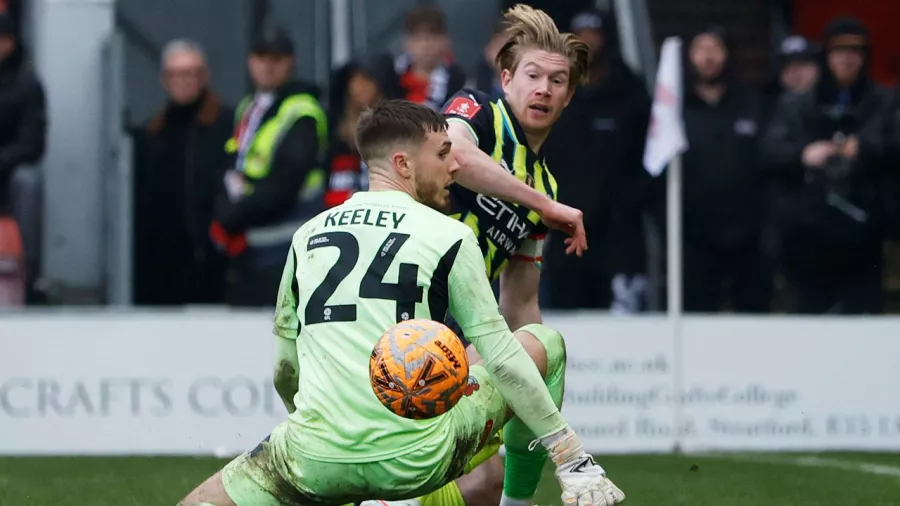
(200, 383)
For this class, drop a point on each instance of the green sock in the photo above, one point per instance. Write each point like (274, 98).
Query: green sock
(524, 467)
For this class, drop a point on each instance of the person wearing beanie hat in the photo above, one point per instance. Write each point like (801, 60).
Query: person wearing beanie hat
(796, 70)
(826, 150)
(798, 64)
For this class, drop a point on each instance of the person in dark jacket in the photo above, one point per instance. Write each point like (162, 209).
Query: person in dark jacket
(179, 166)
(595, 152)
(723, 192)
(827, 150)
(23, 116)
(796, 71)
(427, 74)
(277, 181)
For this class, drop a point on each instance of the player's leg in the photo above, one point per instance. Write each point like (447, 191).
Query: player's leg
(210, 493)
(480, 487)
(269, 475)
(524, 462)
(248, 480)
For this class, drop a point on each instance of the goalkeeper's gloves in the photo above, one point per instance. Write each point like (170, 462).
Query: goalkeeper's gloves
(583, 481)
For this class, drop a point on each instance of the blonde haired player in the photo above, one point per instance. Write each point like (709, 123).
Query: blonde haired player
(384, 256)
(540, 69)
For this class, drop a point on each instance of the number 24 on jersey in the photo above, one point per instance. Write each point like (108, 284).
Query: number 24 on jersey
(406, 292)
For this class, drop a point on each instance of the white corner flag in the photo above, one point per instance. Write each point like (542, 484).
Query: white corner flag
(665, 135)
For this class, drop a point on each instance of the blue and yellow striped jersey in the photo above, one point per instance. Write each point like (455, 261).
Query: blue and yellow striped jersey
(502, 228)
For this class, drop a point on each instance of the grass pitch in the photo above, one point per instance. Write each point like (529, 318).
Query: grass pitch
(830, 479)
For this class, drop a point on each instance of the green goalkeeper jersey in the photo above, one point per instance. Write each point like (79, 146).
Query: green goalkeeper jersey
(352, 272)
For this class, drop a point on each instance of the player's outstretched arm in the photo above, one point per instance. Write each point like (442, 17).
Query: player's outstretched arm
(481, 174)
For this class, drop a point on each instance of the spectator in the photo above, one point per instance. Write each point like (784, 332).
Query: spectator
(604, 177)
(276, 182)
(796, 70)
(179, 166)
(723, 186)
(826, 149)
(23, 118)
(486, 78)
(427, 74)
(355, 87)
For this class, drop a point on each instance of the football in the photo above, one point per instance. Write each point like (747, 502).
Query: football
(419, 369)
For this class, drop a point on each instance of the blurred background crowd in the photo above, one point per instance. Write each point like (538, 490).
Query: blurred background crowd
(791, 181)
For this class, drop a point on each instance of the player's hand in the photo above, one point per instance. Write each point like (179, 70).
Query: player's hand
(569, 220)
(584, 483)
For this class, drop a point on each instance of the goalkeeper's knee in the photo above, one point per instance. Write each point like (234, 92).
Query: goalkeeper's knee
(554, 348)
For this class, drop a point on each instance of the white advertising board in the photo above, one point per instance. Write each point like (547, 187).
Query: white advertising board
(134, 384)
(200, 383)
(619, 382)
(792, 384)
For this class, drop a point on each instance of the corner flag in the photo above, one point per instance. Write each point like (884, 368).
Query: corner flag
(665, 135)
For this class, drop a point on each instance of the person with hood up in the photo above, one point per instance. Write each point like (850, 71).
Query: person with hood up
(596, 150)
(723, 192)
(827, 150)
(276, 182)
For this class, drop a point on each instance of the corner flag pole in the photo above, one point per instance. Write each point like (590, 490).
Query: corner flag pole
(674, 268)
(666, 141)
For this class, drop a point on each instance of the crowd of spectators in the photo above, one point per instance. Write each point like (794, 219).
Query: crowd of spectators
(790, 190)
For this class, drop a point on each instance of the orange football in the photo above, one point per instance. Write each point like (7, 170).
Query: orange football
(419, 369)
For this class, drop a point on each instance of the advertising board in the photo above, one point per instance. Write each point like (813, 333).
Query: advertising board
(200, 383)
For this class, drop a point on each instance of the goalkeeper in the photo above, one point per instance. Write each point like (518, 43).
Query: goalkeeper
(339, 444)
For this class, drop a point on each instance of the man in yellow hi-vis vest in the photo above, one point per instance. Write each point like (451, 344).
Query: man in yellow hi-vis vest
(276, 182)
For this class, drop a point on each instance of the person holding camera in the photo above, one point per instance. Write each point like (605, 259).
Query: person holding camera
(827, 151)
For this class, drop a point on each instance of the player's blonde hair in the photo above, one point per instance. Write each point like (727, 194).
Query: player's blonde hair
(529, 29)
